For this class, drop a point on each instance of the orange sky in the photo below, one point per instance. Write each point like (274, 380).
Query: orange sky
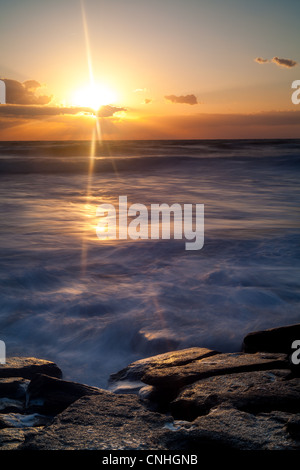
(161, 70)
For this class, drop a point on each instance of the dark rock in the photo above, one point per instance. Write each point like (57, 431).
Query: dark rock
(133, 373)
(120, 422)
(50, 395)
(272, 340)
(27, 367)
(226, 428)
(293, 426)
(19, 420)
(12, 438)
(13, 387)
(104, 421)
(10, 405)
(248, 391)
(175, 377)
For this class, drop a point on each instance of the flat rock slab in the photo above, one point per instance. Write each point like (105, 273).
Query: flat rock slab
(50, 395)
(136, 370)
(220, 364)
(27, 367)
(105, 421)
(119, 422)
(226, 428)
(249, 391)
(272, 340)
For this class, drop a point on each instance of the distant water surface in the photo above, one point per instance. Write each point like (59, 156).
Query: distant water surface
(94, 306)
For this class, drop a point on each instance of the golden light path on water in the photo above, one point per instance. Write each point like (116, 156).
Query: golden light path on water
(96, 136)
(89, 210)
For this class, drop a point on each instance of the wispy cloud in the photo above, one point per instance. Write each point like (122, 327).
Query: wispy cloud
(260, 60)
(38, 111)
(187, 99)
(281, 62)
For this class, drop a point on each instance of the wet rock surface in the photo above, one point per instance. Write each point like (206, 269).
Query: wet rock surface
(106, 421)
(194, 399)
(28, 367)
(175, 377)
(51, 395)
(272, 340)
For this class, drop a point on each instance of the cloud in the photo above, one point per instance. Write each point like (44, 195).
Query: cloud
(38, 111)
(287, 63)
(107, 111)
(260, 60)
(24, 93)
(147, 101)
(188, 99)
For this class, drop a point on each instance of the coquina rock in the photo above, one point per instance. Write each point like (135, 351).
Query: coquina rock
(195, 399)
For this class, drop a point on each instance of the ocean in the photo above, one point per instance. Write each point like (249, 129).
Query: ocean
(93, 306)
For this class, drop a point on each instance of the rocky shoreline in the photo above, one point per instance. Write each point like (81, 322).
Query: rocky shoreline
(188, 400)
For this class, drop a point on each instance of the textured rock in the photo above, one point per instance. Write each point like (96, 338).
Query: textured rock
(131, 375)
(27, 367)
(12, 438)
(13, 387)
(293, 427)
(18, 420)
(249, 391)
(105, 421)
(226, 428)
(272, 340)
(51, 395)
(175, 377)
(247, 401)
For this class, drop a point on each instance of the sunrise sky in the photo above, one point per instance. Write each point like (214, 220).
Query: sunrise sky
(159, 69)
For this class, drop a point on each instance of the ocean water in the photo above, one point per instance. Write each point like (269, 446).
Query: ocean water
(94, 306)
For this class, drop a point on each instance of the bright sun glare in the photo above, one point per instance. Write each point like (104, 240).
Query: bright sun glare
(93, 96)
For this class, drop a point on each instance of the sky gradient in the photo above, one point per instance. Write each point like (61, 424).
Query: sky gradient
(168, 69)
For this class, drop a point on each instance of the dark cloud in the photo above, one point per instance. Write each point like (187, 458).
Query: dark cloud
(188, 99)
(24, 93)
(287, 63)
(38, 111)
(107, 111)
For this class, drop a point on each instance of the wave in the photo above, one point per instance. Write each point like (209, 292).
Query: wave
(75, 157)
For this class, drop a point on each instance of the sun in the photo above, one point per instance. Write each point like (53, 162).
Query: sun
(93, 96)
